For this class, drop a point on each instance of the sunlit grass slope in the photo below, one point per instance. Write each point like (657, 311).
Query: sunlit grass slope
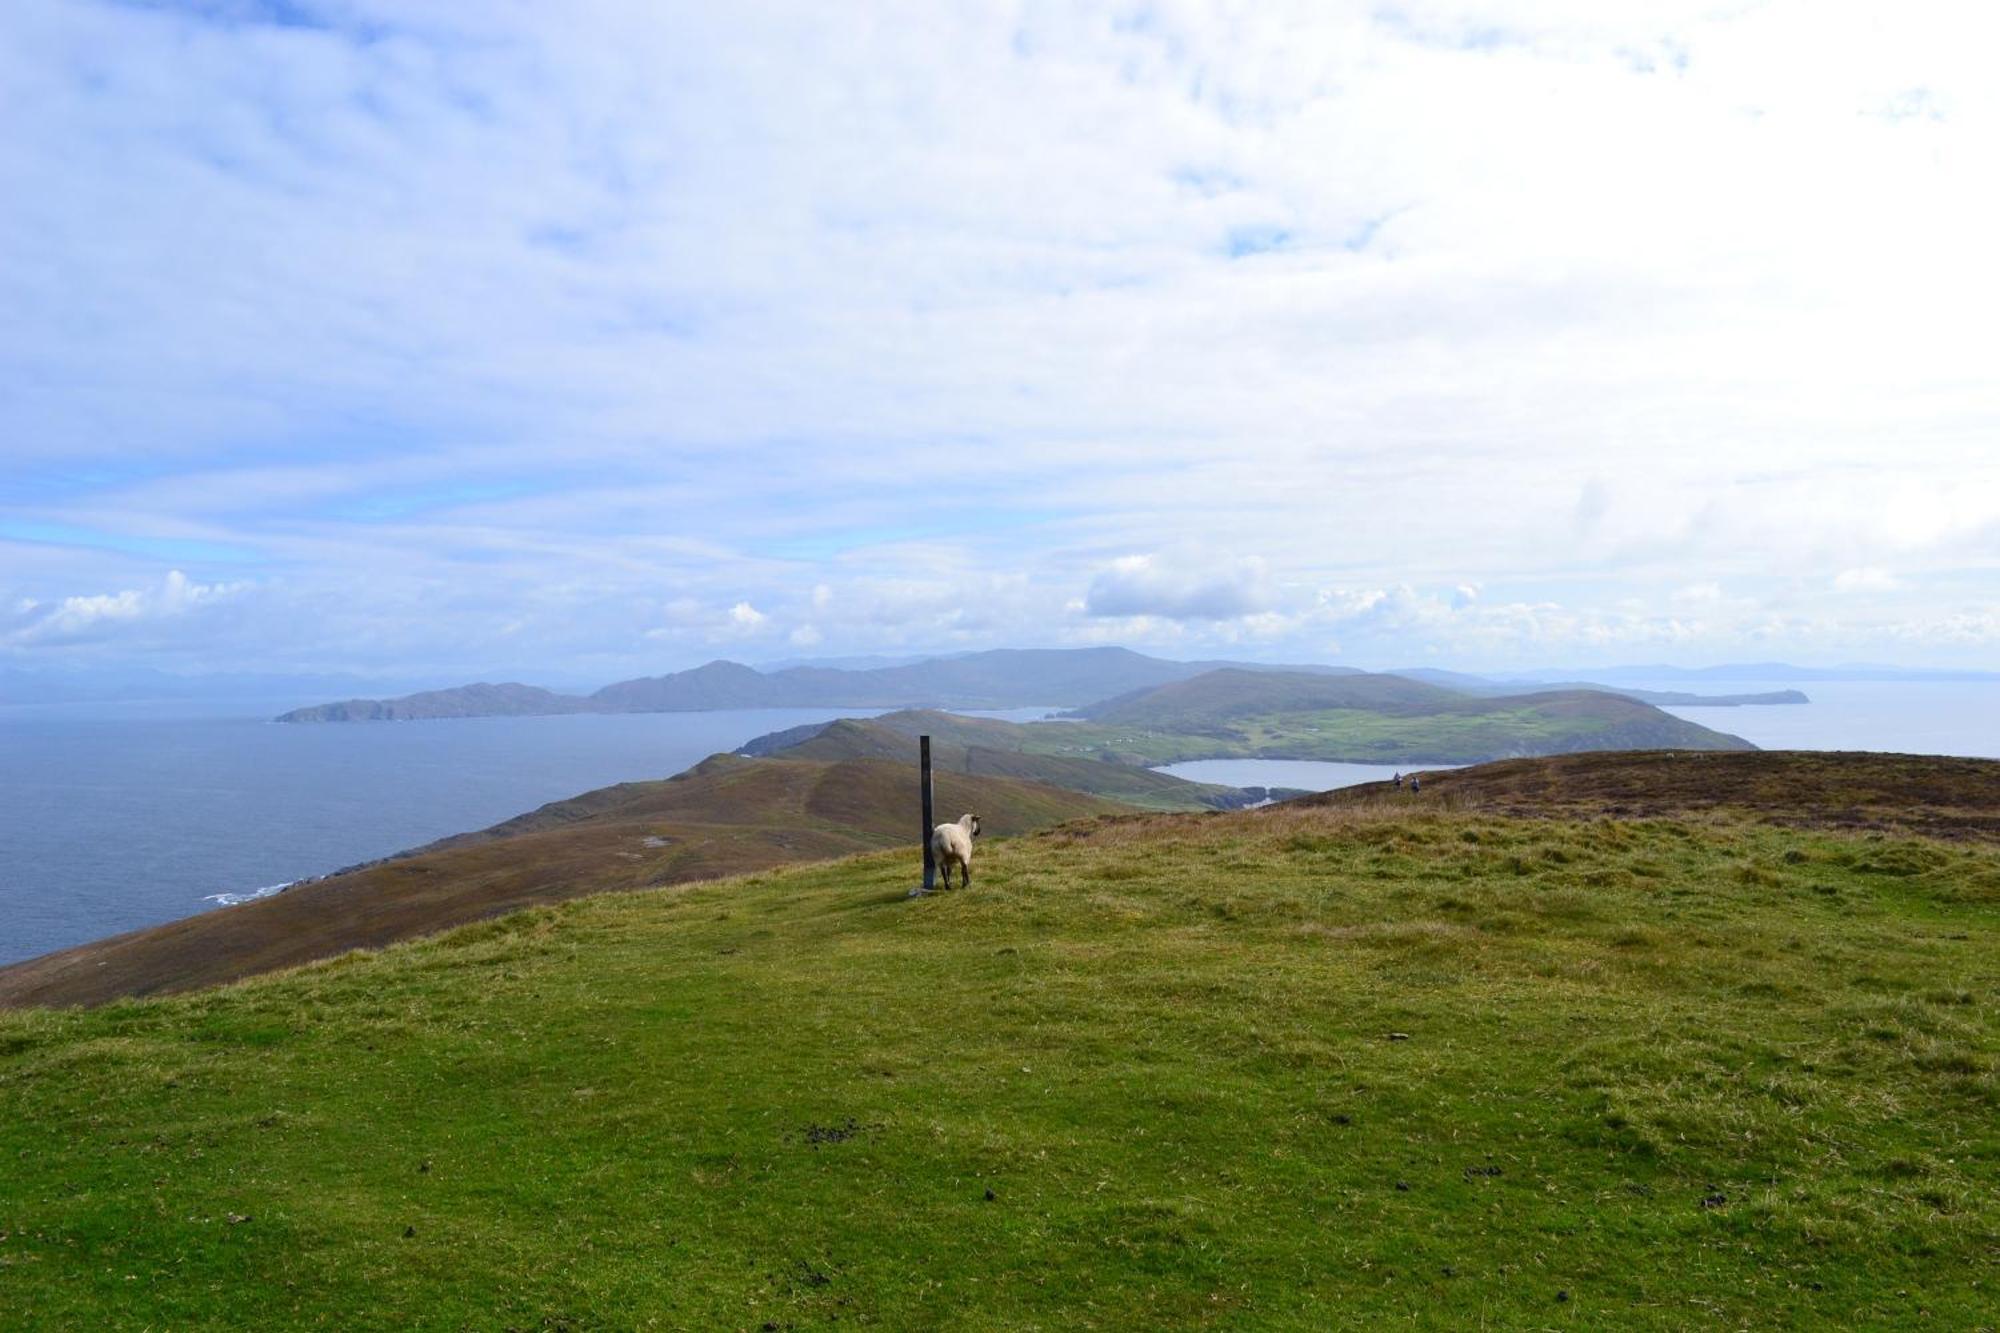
(1299, 1068)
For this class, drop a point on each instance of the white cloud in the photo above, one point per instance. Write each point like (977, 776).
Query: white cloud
(1979, 629)
(1866, 580)
(1707, 593)
(104, 616)
(1184, 589)
(693, 625)
(907, 327)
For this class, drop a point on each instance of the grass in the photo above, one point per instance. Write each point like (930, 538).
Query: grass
(1354, 735)
(1349, 735)
(1298, 1068)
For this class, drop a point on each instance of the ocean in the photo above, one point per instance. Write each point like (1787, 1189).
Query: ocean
(1930, 717)
(1298, 774)
(117, 817)
(114, 817)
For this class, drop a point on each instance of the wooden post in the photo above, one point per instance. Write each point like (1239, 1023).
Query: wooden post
(930, 814)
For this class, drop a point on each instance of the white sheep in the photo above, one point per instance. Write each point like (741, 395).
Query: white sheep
(951, 844)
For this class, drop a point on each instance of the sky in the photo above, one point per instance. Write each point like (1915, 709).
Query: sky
(574, 342)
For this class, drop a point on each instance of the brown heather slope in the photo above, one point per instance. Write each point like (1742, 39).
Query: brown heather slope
(993, 749)
(725, 816)
(1932, 795)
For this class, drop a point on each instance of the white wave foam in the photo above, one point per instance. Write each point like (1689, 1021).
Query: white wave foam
(231, 899)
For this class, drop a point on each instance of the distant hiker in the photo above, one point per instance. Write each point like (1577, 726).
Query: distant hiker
(951, 845)
(1416, 783)
(1398, 779)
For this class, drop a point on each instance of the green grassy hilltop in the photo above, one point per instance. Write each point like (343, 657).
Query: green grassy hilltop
(1312, 1066)
(1364, 719)
(1226, 714)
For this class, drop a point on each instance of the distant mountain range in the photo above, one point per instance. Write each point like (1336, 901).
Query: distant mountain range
(1004, 678)
(790, 684)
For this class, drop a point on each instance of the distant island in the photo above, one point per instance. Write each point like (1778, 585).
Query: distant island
(1131, 710)
(1002, 678)
(1230, 713)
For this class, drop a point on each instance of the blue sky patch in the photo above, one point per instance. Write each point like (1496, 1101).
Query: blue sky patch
(1256, 240)
(170, 549)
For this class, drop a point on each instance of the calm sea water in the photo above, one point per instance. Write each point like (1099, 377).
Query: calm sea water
(1302, 774)
(1945, 717)
(112, 818)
